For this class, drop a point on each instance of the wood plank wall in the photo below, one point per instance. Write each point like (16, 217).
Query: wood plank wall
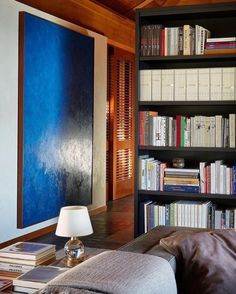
(119, 30)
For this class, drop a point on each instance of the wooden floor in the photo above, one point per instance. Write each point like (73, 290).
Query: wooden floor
(112, 229)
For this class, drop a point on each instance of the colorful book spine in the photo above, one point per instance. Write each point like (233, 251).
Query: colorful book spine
(181, 188)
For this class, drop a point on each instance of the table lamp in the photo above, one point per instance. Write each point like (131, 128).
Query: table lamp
(74, 222)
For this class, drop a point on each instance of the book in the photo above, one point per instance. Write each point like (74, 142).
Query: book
(201, 35)
(25, 289)
(5, 284)
(39, 276)
(156, 85)
(9, 275)
(216, 83)
(175, 180)
(13, 267)
(145, 85)
(47, 259)
(180, 84)
(204, 84)
(220, 51)
(232, 130)
(188, 36)
(226, 39)
(181, 188)
(27, 250)
(182, 171)
(228, 83)
(167, 88)
(191, 84)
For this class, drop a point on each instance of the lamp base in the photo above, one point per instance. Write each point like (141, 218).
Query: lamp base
(74, 250)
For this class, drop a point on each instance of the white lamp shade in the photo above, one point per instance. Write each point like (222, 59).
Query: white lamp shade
(74, 221)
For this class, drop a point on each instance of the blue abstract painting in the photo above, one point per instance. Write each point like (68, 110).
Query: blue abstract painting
(55, 134)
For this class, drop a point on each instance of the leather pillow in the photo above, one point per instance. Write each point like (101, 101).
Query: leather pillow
(206, 261)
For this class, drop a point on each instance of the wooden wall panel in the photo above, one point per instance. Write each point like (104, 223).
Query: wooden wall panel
(119, 30)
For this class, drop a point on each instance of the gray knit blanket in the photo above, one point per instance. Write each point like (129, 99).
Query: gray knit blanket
(116, 272)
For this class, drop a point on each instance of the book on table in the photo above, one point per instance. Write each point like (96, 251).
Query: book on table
(47, 259)
(39, 276)
(5, 284)
(27, 250)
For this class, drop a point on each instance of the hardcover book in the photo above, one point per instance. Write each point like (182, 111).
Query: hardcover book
(27, 250)
(39, 276)
(4, 284)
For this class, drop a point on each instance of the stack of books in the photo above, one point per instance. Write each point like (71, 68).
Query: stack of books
(21, 257)
(37, 278)
(181, 180)
(220, 45)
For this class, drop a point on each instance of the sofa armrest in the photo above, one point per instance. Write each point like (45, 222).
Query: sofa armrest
(149, 243)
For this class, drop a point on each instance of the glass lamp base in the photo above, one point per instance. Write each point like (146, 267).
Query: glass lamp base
(74, 250)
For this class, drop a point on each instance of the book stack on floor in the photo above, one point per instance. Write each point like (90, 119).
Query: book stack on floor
(220, 45)
(22, 257)
(37, 278)
(181, 180)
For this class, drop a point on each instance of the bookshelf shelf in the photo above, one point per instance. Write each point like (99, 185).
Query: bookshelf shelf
(189, 149)
(169, 195)
(220, 20)
(192, 103)
(188, 57)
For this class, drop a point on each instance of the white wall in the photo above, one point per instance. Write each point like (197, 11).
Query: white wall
(8, 117)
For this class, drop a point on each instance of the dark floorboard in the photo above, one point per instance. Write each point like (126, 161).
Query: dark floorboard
(112, 229)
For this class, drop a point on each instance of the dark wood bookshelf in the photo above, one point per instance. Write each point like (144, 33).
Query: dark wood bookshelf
(181, 195)
(191, 103)
(189, 149)
(220, 19)
(188, 57)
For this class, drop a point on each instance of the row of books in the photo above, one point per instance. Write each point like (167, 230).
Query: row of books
(194, 214)
(157, 40)
(182, 131)
(191, 84)
(217, 178)
(221, 45)
(213, 178)
(21, 257)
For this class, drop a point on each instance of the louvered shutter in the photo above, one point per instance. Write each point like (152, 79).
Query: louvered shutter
(121, 97)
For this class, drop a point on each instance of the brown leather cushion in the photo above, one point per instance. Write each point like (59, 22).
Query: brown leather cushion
(206, 261)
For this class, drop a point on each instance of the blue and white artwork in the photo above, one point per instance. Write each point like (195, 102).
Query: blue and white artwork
(55, 140)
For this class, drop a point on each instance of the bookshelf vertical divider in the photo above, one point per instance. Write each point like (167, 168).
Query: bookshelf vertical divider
(220, 19)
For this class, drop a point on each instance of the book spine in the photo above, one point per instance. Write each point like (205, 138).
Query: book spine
(234, 180)
(167, 214)
(232, 130)
(178, 130)
(181, 188)
(181, 41)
